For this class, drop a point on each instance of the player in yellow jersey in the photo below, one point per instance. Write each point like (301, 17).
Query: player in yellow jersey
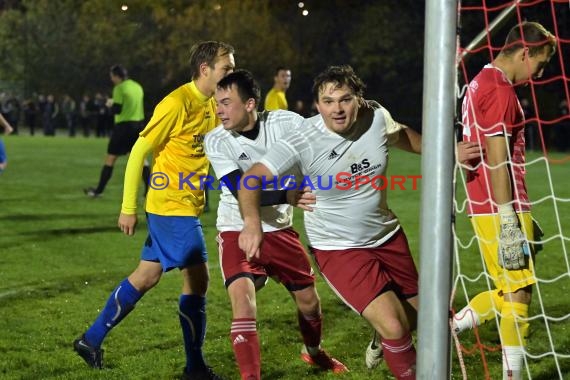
(275, 99)
(174, 202)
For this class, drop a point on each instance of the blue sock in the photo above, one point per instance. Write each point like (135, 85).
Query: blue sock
(192, 313)
(119, 304)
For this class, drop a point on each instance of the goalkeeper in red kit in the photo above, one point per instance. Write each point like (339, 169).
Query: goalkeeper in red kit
(499, 206)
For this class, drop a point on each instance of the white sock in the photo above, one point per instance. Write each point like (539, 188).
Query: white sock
(465, 319)
(313, 350)
(513, 359)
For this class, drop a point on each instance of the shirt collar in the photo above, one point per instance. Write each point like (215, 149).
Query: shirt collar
(201, 97)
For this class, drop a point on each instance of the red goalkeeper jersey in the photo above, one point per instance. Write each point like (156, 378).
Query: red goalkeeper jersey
(491, 108)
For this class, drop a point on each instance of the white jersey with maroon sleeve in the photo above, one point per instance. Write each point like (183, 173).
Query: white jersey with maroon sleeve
(345, 216)
(491, 108)
(230, 151)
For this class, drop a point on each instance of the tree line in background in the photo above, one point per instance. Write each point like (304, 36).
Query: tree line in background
(67, 46)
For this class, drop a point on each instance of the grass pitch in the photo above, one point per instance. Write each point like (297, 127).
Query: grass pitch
(61, 255)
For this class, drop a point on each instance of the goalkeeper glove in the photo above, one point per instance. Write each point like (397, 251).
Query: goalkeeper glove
(513, 246)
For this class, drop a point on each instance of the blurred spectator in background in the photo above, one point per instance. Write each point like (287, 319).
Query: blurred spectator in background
(86, 114)
(50, 112)
(101, 110)
(68, 108)
(301, 109)
(30, 107)
(41, 108)
(275, 99)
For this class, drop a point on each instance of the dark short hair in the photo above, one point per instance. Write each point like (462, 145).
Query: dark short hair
(531, 34)
(343, 75)
(119, 71)
(246, 85)
(280, 68)
(207, 52)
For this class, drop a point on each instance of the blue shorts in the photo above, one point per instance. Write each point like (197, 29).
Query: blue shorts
(2, 152)
(174, 241)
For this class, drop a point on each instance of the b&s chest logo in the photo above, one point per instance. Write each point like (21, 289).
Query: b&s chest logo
(363, 167)
(359, 166)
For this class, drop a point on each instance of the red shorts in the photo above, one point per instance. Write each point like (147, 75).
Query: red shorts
(282, 258)
(359, 275)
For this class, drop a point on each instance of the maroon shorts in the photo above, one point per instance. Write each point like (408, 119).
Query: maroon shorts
(359, 275)
(282, 258)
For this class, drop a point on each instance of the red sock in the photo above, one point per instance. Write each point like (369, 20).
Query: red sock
(400, 355)
(246, 348)
(310, 329)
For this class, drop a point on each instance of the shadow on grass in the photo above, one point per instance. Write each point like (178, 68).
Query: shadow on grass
(45, 235)
(43, 290)
(58, 232)
(51, 217)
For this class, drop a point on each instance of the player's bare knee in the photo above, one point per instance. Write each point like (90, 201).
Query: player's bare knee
(391, 328)
(110, 159)
(310, 308)
(143, 279)
(244, 308)
(196, 279)
(242, 297)
(196, 286)
(308, 301)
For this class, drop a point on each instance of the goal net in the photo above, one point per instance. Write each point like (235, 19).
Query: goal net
(477, 354)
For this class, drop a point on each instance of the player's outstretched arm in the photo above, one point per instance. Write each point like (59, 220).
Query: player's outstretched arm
(249, 197)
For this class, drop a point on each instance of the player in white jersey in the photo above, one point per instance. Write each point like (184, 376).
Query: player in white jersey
(358, 243)
(243, 138)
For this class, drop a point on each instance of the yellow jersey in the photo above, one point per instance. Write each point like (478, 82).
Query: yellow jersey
(176, 133)
(275, 100)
